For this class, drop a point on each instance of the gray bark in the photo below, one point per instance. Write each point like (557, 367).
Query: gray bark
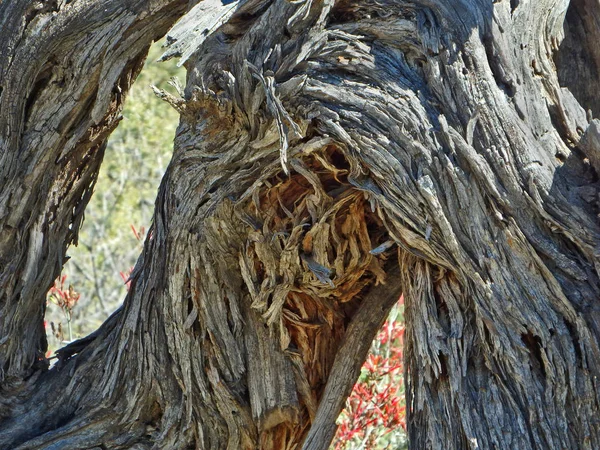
(65, 70)
(312, 135)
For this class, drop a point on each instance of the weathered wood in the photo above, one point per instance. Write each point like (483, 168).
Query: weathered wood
(61, 91)
(313, 132)
(590, 144)
(578, 58)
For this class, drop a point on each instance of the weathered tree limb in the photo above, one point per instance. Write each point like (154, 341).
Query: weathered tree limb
(168, 315)
(66, 67)
(311, 133)
(369, 318)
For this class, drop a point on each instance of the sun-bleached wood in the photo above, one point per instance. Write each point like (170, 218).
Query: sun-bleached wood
(329, 153)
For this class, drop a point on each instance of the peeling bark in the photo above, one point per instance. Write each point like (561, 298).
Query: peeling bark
(313, 135)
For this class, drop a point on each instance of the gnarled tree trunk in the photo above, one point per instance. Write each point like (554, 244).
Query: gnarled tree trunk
(330, 154)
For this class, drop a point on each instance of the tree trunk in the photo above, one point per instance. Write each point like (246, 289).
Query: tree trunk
(329, 152)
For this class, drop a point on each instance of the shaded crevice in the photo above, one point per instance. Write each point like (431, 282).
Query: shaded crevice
(443, 313)
(351, 11)
(242, 20)
(576, 342)
(443, 374)
(498, 69)
(42, 80)
(578, 57)
(534, 345)
(39, 9)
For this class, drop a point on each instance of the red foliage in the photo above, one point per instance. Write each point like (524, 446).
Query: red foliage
(125, 276)
(65, 298)
(139, 234)
(376, 406)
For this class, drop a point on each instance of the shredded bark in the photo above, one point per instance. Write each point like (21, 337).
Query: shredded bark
(318, 140)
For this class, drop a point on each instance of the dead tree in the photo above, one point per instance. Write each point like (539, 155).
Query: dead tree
(330, 155)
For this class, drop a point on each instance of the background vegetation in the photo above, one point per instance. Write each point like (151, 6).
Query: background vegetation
(121, 208)
(93, 283)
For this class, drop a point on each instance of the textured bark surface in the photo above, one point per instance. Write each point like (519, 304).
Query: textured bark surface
(65, 68)
(324, 144)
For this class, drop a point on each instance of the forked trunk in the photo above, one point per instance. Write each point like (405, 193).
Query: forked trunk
(330, 154)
